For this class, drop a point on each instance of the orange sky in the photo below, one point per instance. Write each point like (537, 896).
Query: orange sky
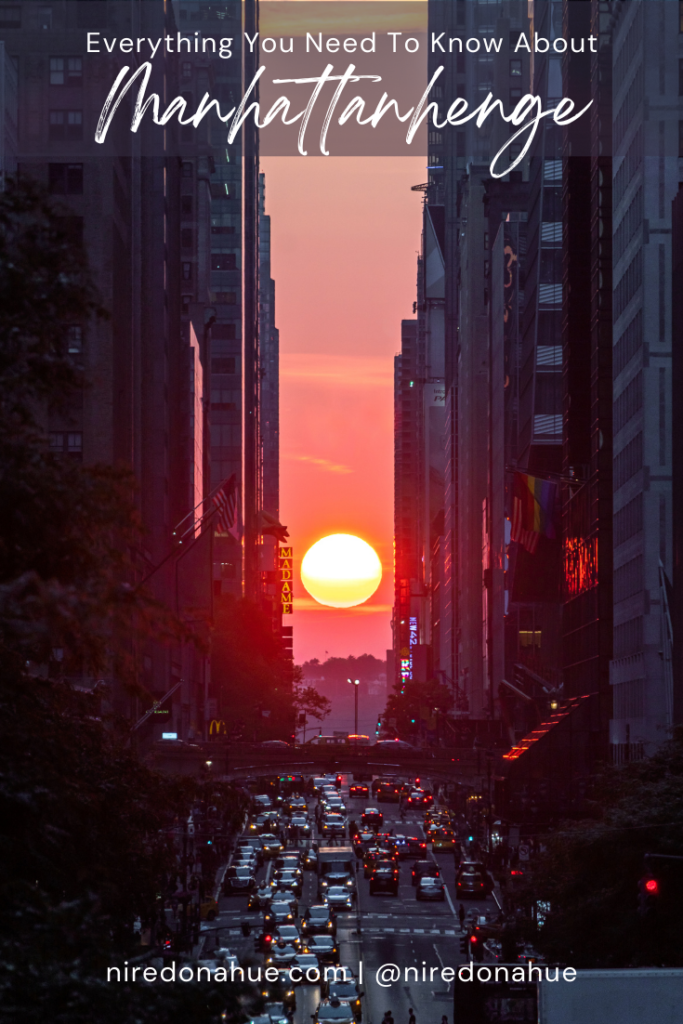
(345, 234)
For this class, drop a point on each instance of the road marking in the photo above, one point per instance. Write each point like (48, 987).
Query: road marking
(418, 931)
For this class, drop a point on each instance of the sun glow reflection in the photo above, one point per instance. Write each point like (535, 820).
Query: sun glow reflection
(341, 571)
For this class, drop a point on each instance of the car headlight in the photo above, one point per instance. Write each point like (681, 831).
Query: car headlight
(349, 881)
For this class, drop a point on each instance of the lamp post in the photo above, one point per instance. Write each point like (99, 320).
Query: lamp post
(355, 683)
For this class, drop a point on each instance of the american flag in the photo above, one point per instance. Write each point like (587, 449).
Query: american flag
(225, 500)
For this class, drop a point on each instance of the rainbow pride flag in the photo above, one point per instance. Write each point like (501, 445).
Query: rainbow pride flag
(533, 507)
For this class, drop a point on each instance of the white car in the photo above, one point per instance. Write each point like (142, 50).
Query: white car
(339, 897)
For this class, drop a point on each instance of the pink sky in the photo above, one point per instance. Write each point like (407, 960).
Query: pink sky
(345, 235)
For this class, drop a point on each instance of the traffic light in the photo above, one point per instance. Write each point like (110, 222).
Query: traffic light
(477, 947)
(648, 893)
(465, 944)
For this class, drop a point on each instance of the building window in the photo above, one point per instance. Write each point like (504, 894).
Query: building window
(186, 206)
(186, 238)
(74, 340)
(187, 69)
(530, 638)
(75, 444)
(515, 68)
(223, 364)
(222, 230)
(65, 179)
(66, 71)
(515, 96)
(66, 125)
(223, 261)
(10, 16)
(187, 271)
(680, 17)
(185, 304)
(229, 298)
(57, 442)
(187, 169)
(45, 19)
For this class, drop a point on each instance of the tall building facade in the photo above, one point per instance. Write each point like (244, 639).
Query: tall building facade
(646, 154)
(162, 215)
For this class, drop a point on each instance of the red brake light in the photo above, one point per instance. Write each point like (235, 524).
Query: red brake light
(652, 885)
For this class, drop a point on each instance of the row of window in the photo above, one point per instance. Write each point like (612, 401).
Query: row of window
(628, 284)
(630, 342)
(628, 579)
(629, 402)
(628, 521)
(67, 443)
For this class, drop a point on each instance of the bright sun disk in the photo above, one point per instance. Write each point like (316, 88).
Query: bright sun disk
(341, 571)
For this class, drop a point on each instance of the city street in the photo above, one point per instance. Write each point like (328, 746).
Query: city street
(399, 931)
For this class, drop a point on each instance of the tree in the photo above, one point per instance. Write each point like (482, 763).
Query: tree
(252, 673)
(308, 701)
(407, 705)
(85, 828)
(590, 871)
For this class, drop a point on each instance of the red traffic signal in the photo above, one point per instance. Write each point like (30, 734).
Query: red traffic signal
(652, 886)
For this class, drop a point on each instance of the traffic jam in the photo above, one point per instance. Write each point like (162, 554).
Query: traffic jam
(322, 868)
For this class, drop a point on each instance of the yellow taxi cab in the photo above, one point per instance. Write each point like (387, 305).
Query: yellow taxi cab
(443, 839)
(208, 910)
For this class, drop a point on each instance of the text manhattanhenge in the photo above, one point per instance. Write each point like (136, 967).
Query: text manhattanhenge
(526, 115)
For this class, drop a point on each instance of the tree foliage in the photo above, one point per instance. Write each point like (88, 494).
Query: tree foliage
(590, 872)
(311, 703)
(407, 705)
(252, 672)
(85, 840)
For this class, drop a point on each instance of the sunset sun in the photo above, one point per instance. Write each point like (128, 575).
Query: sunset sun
(341, 571)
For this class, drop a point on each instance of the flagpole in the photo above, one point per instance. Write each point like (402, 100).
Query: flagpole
(176, 551)
(207, 498)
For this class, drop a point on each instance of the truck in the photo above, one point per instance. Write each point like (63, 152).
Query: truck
(484, 993)
(336, 866)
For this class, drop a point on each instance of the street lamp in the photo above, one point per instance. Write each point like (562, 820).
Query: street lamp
(355, 683)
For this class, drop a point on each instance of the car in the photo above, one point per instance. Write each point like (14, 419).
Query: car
(272, 845)
(339, 898)
(424, 869)
(318, 783)
(282, 895)
(335, 803)
(470, 884)
(298, 827)
(319, 920)
(279, 1013)
(334, 1011)
(225, 958)
(309, 968)
(286, 879)
(289, 861)
(347, 989)
(311, 860)
(383, 746)
(238, 881)
(384, 878)
(288, 933)
(410, 846)
(279, 913)
(372, 816)
(333, 825)
(263, 800)
(444, 839)
(324, 947)
(358, 789)
(475, 867)
(429, 888)
(259, 897)
(372, 855)
(297, 804)
(281, 953)
(363, 839)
